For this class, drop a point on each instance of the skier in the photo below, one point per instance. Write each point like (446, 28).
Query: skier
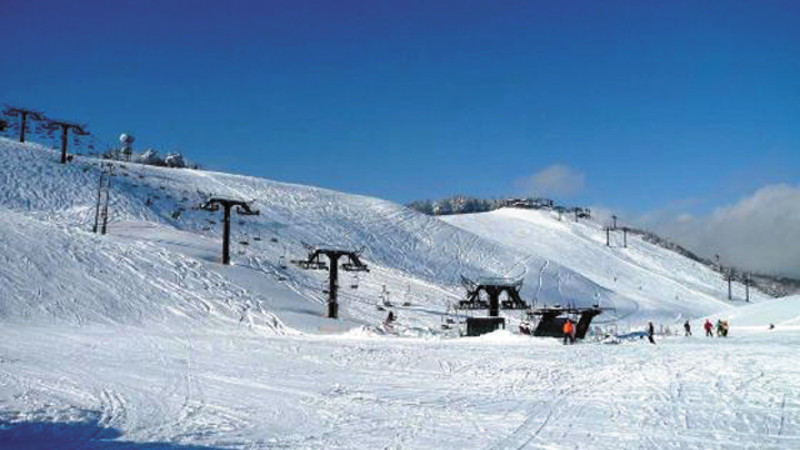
(719, 327)
(389, 321)
(724, 328)
(708, 327)
(568, 330)
(651, 332)
(687, 328)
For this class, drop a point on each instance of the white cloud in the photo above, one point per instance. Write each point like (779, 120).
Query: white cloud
(557, 180)
(760, 232)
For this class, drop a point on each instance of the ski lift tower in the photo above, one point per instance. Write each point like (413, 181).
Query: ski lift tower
(314, 262)
(493, 288)
(23, 114)
(65, 126)
(242, 208)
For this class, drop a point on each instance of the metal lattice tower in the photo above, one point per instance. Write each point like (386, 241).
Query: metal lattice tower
(101, 207)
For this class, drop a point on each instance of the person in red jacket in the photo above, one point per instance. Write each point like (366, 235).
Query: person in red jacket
(709, 327)
(569, 332)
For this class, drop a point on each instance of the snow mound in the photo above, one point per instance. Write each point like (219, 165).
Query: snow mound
(782, 312)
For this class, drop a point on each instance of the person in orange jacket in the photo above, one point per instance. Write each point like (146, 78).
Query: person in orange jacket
(568, 330)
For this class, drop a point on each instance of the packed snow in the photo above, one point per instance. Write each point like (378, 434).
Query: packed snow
(141, 338)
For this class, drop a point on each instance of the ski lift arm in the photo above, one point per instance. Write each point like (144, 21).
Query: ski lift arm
(355, 264)
(245, 210)
(210, 205)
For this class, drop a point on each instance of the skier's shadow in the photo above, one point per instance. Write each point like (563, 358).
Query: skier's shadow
(85, 435)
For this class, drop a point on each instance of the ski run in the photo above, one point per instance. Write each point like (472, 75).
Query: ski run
(142, 339)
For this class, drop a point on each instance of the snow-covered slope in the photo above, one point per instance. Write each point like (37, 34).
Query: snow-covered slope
(418, 258)
(783, 313)
(659, 282)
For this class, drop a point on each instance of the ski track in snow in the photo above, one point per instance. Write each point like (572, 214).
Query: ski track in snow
(243, 390)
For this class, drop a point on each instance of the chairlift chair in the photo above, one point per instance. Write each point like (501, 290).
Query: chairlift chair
(385, 297)
(354, 282)
(406, 301)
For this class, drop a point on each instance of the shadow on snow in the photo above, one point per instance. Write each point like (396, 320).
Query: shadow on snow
(83, 435)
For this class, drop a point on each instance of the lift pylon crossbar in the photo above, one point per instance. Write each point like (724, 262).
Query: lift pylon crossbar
(24, 114)
(493, 288)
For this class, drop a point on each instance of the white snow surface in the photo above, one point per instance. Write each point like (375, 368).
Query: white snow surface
(141, 339)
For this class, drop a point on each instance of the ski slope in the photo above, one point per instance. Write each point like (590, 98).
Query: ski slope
(418, 258)
(783, 313)
(141, 339)
(660, 284)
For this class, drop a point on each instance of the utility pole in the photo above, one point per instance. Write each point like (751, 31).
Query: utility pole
(608, 237)
(104, 212)
(614, 218)
(242, 208)
(101, 207)
(314, 262)
(625, 237)
(747, 287)
(65, 126)
(23, 114)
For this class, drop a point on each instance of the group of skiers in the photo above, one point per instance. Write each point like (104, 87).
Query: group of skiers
(568, 330)
(722, 328)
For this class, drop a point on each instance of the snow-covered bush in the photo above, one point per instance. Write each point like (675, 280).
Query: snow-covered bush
(150, 157)
(175, 160)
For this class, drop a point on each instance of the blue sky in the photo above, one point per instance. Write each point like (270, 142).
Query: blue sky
(641, 105)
